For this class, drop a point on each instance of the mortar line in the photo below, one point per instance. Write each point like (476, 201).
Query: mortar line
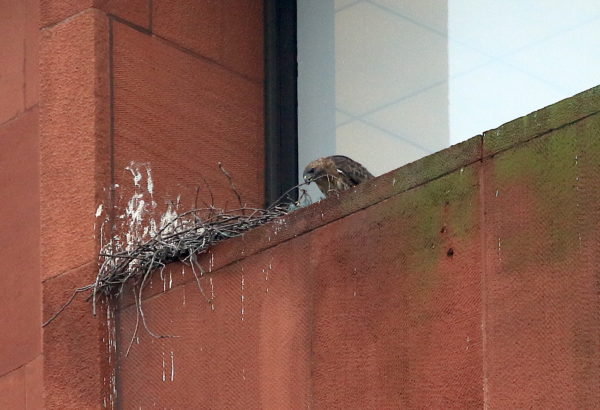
(483, 281)
(68, 18)
(150, 7)
(21, 366)
(129, 24)
(206, 59)
(68, 271)
(111, 369)
(187, 51)
(111, 136)
(312, 332)
(19, 115)
(533, 137)
(24, 72)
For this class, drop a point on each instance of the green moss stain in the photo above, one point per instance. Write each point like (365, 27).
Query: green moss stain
(431, 217)
(551, 171)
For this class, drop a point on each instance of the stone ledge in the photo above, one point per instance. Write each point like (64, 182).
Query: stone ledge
(393, 183)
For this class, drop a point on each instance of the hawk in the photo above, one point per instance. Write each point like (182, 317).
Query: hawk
(335, 173)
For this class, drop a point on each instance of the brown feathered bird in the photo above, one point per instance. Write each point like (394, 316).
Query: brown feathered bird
(335, 173)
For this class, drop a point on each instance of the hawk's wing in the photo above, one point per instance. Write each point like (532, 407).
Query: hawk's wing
(354, 172)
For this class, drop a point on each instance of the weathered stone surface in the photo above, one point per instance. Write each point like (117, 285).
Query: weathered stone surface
(74, 132)
(252, 351)
(12, 390)
(31, 52)
(542, 318)
(12, 56)
(76, 359)
(397, 301)
(20, 293)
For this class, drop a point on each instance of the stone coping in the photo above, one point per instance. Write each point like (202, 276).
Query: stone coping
(409, 176)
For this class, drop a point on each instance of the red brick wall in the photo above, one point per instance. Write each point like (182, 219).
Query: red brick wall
(20, 293)
(468, 279)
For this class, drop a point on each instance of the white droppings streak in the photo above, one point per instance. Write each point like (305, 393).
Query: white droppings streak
(242, 295)
(212, 294)
(164, 375)
(149, 182)
(266, 272)
(172, 366)
(167, 218)
(99, 211)
(135, 172)
(499, 248)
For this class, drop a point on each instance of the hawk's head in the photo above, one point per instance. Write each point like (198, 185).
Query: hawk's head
(315, 170)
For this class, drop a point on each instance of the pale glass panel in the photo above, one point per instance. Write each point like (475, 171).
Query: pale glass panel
(381, 58)
(344, 3)
(508, 58)
(356, 139)
(430, 13)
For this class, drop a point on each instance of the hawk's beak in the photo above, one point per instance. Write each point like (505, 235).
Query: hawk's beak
(308, 175)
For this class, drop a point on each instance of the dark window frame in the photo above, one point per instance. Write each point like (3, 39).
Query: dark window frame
(281, 98)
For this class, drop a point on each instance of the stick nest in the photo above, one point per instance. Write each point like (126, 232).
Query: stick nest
(181, 240)
(179, 237)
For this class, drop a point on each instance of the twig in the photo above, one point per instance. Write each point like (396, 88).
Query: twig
(139, 306)
(232, 185)
(137, 322)
(63, 307)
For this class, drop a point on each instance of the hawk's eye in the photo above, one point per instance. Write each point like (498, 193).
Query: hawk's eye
(311, 171)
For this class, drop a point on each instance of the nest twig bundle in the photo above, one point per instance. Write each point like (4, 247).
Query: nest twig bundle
(180, 237)
(180, 240)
